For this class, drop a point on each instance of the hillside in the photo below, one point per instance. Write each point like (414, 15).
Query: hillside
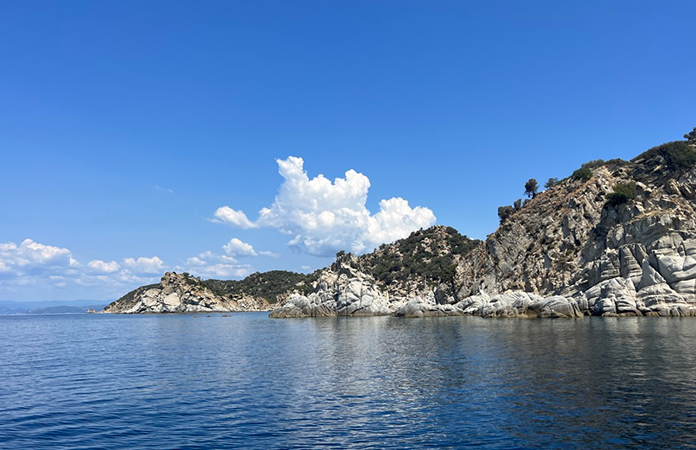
(621, 241)
(614, 238)
(182, 293)
(426, 257)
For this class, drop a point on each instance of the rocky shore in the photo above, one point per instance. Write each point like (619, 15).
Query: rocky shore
(616, 238)
(182, 293)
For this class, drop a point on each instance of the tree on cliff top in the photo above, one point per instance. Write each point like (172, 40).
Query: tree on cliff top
(531, 187)
(691, 136)
(551, 183)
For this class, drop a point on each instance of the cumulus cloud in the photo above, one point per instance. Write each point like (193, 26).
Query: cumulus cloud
(145, 265)
(325, 216)
(32, 257)
(33, 265)
(104, 267)
(232, 217)
(212, 265)
(238, 248)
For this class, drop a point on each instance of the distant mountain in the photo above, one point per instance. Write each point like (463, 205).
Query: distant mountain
(12, 308)
(65, 309)
(49, 307)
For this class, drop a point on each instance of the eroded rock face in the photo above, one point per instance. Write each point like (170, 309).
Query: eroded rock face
(427, 306)
(566, 254)
(181, 293)
(637, 258)
(342, 290)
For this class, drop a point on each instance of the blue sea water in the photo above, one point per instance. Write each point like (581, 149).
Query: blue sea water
(247, 381)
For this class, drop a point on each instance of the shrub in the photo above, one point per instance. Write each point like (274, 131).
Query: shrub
(593, 164)
(419, 256)
(617, 162)
(504, 212)
(691, 136)
(582, 174)
(517, 205)
(676, 155)
(268, 285)
(622, 192)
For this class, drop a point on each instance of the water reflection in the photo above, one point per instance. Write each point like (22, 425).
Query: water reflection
(249, 381)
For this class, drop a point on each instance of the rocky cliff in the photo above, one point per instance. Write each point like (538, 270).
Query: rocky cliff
(183, 293)
(341, 290)
(420, 266)
(614, 239)
(632, 257)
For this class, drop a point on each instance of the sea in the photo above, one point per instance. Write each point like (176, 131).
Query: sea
(243, 380)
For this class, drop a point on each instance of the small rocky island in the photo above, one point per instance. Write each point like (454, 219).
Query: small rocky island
(616, 238)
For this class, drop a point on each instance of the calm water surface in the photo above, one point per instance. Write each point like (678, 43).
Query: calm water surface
(247, 381)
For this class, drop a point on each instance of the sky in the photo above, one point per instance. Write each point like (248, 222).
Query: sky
(223, 138)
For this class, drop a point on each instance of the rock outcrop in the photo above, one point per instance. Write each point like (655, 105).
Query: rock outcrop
(615, 239)
(182, 293)
(634, 258)
(568, 252)
(341, 290)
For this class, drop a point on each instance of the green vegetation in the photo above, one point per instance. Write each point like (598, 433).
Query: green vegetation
(676, 155)
(582, 174)
(504, 212)
(617, 162)
(129, 297)
(593, 164)
(551, 183)
(622, 193)
(268, 285)
(691, 136)
(531, 187)
(426, 254)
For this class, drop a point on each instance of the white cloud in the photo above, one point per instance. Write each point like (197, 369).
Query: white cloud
(31, 267)
(232, 217)
(325, 216)
(224, 271)
(269, 254)
(104, 267)
(211, 265)
(195, 261)
(238, 248)
(32, 257)
(145, 265)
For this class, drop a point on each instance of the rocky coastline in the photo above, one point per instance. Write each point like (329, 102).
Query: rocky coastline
(182, 293)
(578, 248)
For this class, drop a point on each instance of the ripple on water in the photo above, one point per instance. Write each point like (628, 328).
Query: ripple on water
(246, 381)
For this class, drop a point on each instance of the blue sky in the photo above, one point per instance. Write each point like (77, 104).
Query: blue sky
(125, 126)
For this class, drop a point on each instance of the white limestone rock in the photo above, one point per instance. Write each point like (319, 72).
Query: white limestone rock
(637, 258)
(181, 293)
(342, 290)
